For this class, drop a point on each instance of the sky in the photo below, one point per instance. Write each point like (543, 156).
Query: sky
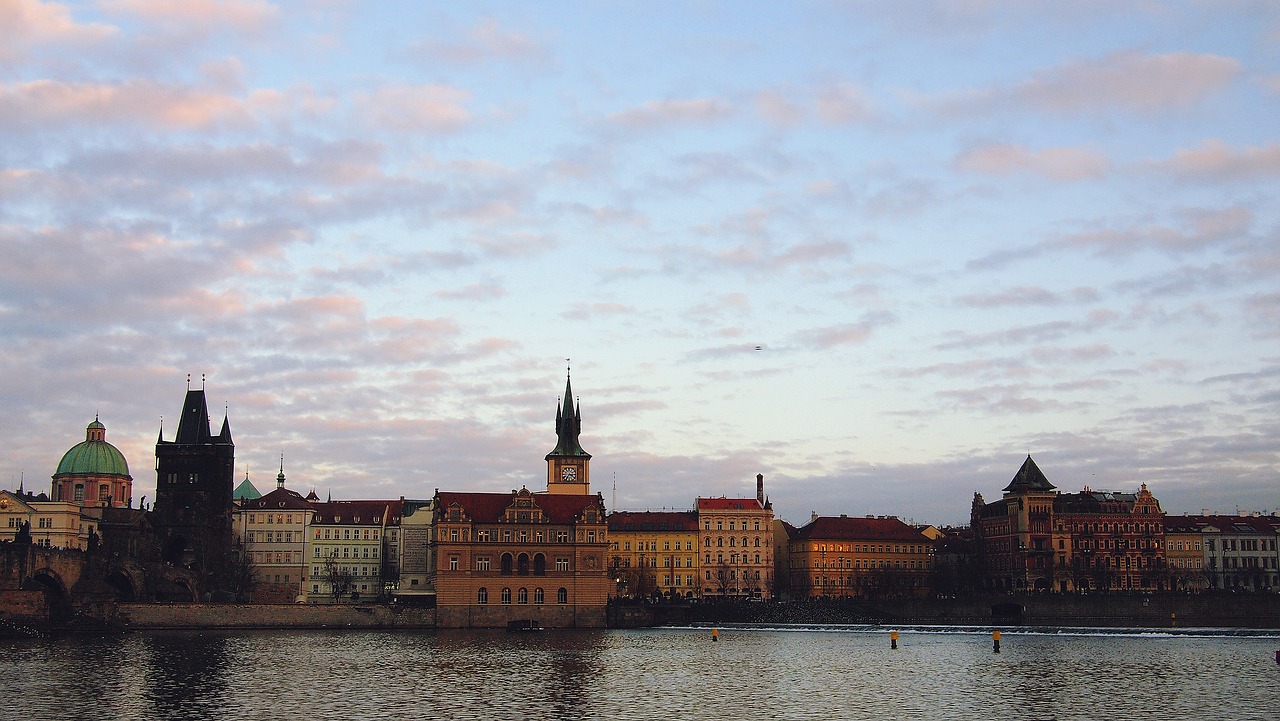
(877, 252)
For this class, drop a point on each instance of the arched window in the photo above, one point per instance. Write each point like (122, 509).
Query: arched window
(522, 564)
(522, 596)
(506, 564)
(506, 596)
(482, 596)
(720, 542)
(540, 564)
(537, 596)
(562, 595)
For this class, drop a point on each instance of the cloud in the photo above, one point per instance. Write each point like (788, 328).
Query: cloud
(1131, 81)
(658, 114)
(45, 104)
(857, 333)
(486, 41)
(199, 15)
(28, 24)
(415, 108)
(1215, 160)
(475, 291)
(587, 311)
(1019, 296)
(830, 104)
(1066, 164)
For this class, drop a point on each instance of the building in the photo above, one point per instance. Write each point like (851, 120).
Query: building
(194, 481)
(737, 546)
(351, 554)
(93, 472)
(415, 549)
(845, 557)
(1184, 538)
(654, 554)
(1239, 551)
(271, 535)
(524, 556)
(1037, 539)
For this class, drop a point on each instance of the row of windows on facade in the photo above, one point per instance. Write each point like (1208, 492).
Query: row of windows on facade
(315, 588)
(731, 574)
(42, 522)
(667, 562)
(319, 571)
(706, 525)
(507, 535)
(1246, 562)
(869, 564)
(508, 564)
(1245, 544)
(653, 545)
(191, 477)
(1109, 543)
(1113, 527)
(522, 596)
(288, 519)
(869, 548)
(345, 552)
(733, 558)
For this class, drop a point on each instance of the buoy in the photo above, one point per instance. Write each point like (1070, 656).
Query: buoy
(893, 640)
(995, 641)
(715, 634)
(1278, 657)
(1173, 620)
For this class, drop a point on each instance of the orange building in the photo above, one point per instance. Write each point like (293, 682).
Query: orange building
(846, 557)
(522, 556)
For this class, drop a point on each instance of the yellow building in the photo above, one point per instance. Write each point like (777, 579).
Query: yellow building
(350, 553)
(847, 557)
(654, 554)
(737, 546)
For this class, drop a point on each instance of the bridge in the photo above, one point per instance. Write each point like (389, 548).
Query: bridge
(51, 587)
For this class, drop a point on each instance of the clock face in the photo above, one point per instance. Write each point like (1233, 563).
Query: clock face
(569, 474)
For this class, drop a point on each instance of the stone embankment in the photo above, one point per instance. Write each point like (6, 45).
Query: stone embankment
(154, 616)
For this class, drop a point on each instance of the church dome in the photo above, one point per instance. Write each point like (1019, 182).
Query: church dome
(94, 456)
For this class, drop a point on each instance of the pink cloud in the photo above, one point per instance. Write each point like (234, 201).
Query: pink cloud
(416, 108)
(841, 103)
(486, 41)
(1131, 81)
(1019, 296)
(1215, 159)
(585, 311)
(1068, 164)
(663, 113)
(25, 24)
(843, 334)
(45, 103)
(244, 15)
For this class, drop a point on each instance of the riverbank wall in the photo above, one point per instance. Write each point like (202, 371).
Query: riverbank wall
(1103, 610)
(158, 616)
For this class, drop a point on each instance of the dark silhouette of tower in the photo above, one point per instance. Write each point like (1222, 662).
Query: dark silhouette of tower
(194, 481)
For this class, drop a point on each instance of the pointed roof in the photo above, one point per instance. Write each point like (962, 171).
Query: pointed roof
(193, 425)
(568, 426)
(1029, 478)
(246, 491)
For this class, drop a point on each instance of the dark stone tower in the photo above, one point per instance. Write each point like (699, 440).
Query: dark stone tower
(194, 481)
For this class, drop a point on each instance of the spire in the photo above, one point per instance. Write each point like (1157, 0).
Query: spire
(224, 435)
(1029, 478)
(160, 438)
(568, 424)
(280, 477)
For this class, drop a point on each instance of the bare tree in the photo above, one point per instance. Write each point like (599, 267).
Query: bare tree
(340, 579)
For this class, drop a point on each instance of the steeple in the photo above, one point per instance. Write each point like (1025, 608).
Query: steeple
(568, 465)
(280, 477)
(1029, 478)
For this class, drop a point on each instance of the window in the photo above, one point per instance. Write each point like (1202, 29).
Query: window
(562, 595)
(482, 595)
(537, 596)
(79, 494)
(482, 563)
(506, 596)
(453, 563)
(562, 564)
(522, 596)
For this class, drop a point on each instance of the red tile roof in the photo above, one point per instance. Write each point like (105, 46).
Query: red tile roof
(729, 504)
(653, 521)
(845, 528)
(489, 507)
(370, 513)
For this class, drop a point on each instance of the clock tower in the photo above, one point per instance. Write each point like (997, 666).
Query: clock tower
(568, 466)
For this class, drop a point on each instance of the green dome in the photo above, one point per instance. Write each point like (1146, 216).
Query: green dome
(94, 455)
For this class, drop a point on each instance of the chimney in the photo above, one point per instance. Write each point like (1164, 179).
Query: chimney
(760, 488)
(813, 516)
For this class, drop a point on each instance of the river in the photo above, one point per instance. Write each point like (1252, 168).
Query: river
(749, 673)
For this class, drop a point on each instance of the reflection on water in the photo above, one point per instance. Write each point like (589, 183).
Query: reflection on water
(750, 673)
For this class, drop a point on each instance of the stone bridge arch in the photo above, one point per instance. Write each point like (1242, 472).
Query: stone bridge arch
(57, 599)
